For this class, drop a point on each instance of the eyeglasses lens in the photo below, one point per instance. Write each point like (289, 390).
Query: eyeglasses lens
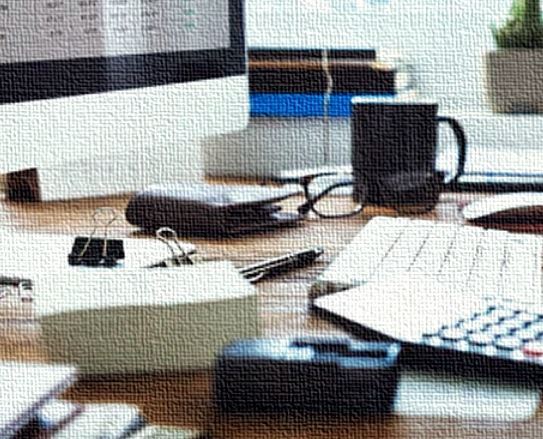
(333, 196)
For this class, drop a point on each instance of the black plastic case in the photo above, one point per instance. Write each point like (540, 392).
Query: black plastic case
(214, 211)
(322, 375)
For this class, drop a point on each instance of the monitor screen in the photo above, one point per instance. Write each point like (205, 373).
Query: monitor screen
(56, 48)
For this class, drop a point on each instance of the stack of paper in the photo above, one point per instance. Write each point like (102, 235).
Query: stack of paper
(144, 320)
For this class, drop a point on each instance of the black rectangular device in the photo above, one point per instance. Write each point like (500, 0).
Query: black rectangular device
(307, 375)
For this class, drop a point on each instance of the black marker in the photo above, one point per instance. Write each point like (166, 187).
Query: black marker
(260, 270)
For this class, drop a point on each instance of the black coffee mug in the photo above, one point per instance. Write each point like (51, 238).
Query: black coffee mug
(396, 138)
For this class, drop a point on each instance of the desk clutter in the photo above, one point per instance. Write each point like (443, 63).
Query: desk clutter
(126, 316)
(260, 376)
(152, 310)
(30, 408)
(469, 298)
(156, 310)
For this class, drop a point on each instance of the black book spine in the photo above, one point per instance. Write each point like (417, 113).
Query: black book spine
(352, 71)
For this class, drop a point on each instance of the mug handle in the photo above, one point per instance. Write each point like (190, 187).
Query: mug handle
(461, 142)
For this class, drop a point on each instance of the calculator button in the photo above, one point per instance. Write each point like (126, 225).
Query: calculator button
(526, 334)
(490, 350)
(434, 341)
(508, 343)
(512, 325)
(453, 334)
(477, 314)
(502, 314)
(526, 317)
(489, 319)
(473, 325)
(430, 334)
(481, 338)
(462, 345)
(498, 330)
(533, 349)
(517, 355)
(537, 327)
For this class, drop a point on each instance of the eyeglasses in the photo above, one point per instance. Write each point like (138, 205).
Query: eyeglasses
(328, 195)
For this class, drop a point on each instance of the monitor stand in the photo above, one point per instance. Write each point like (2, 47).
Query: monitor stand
(116, 143)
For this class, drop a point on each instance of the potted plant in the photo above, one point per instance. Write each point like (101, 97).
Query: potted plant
(515, 70)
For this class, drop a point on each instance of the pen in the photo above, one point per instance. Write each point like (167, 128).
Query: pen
(260, 270)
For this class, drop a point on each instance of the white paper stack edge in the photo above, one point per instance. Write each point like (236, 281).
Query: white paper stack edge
(144, 320)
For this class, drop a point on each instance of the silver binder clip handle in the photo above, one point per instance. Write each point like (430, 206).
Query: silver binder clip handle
(179, 256)
(104, 217)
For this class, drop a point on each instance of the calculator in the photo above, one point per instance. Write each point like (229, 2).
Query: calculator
(442, 330)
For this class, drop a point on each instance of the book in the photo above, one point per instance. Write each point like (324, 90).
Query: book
(354, 71)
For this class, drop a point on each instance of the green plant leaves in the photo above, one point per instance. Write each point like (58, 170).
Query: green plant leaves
(524, 29)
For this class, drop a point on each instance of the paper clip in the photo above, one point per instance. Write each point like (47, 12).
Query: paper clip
(179, 256)
(93, 251)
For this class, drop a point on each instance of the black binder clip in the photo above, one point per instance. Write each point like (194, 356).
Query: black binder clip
(179, 255)
(98, 252)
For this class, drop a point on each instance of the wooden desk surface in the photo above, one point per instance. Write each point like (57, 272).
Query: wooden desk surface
(184, 399)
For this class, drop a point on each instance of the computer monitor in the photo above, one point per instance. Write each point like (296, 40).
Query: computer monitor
(107, 96)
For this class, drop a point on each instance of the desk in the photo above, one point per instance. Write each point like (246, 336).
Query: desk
(184, 399)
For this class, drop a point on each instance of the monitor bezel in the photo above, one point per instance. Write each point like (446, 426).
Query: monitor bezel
(28, 81)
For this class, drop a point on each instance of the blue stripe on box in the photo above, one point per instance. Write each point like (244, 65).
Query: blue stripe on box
(302, 105)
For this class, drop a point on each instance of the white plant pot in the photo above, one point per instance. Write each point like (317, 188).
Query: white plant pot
(514, 80)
